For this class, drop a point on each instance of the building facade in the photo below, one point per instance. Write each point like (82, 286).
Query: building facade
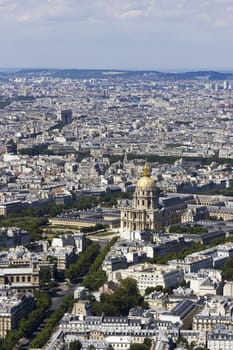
(12, 310)
(146, 212)
(23, 279)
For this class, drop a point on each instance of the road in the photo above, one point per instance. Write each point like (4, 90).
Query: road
(62, 291)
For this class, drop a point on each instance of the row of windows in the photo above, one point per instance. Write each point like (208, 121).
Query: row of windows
(21, 279)
(107, 333)
(214, 320)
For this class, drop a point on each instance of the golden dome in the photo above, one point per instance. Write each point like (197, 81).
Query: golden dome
(146, 182)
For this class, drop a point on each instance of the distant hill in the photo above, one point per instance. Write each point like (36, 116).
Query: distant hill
(113, 74)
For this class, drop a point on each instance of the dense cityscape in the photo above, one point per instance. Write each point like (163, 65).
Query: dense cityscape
(116, 210)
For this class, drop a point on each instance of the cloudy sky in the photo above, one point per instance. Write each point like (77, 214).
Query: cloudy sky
(120, 34)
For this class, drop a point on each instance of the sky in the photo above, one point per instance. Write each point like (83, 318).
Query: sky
(170, 35)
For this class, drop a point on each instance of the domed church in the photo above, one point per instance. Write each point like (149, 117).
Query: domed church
(146, 213)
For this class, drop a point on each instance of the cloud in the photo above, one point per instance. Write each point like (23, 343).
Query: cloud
(131, 14)
(41, 11)
(42, 30)
(32, 11)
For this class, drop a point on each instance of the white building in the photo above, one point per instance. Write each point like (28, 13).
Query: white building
(205, 282)
(228, 289)
(220, 339)
(148, 275)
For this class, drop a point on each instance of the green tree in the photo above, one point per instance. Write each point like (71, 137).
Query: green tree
(91, 347)
(45, 276)
(228, 263)
(55, 209)
(27, 325)
(183, 341)
(228, 269)
(75, 345)
(149, 290)
(192, 345)
(147, 342)
(106, 308)
(189, 229)
(138, 346)
(83, 263)
(158, 288)
(124, 298)
(146, 345)
(29, 223)
(43, 336)
(97, 277)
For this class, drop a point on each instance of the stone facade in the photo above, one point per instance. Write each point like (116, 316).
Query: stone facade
(12, 310)
(146, 212)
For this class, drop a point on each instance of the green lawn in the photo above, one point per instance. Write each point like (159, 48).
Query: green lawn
(104, 234)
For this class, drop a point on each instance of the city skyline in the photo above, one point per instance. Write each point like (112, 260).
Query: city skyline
(147, 35)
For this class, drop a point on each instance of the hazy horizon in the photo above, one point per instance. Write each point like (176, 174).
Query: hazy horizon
(162, 70)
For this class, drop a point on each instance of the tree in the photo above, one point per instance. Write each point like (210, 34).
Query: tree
(182, 340)
(228, 274)
(228, 269)
(138, 346)
(123, 299)
(158, 288)
(97, 277)
(55, 209)
(146, 345)
(147, 341)
(91, 347)
(192, 345)
(43, 336)
(149, 290)
(228, 263)
(83, 263)
(27, 325)
(45, 276)
(75, 345)
(106, 308)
